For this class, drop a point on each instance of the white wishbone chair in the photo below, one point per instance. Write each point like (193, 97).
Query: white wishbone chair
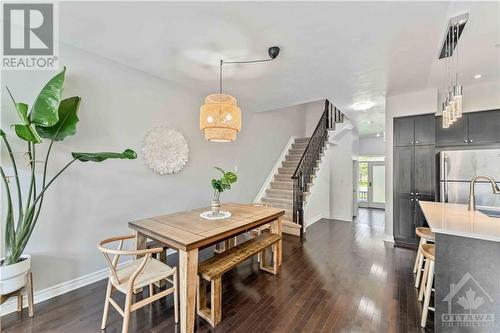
(141, 272)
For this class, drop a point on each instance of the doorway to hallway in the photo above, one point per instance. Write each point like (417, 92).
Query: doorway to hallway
(371, 184)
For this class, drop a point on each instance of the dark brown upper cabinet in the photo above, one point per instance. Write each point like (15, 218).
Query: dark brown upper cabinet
(415, 130)
(484, 127)
(404, 129)
(475, 128)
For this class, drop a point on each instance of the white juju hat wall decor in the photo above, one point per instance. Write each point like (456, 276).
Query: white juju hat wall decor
(165, 150)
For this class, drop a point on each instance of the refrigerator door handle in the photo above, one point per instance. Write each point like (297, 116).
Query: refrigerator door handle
(443, 181)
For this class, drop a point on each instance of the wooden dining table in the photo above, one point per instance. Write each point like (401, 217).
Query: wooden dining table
(188, 233)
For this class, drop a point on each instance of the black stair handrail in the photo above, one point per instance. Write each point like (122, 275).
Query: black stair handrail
(305, 169)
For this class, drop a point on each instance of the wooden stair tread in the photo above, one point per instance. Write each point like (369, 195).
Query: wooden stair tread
(291, 228)
(221, 263)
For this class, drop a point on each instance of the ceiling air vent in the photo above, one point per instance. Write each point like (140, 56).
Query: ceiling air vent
(455, 32)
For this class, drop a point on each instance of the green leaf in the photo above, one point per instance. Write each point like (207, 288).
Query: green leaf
(99, 157)
(230, 177)
(223, 172)
(27, 133)
(217, 185)
(68, 118)
(22, 110)
(2, 133)
(45, 110)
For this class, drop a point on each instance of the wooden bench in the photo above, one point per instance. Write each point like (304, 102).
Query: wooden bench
(211, 270)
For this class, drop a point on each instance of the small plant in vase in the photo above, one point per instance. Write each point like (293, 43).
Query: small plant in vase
(219, 186)
(52, 118)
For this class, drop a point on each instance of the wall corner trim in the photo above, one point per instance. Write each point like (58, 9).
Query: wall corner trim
(388, 238)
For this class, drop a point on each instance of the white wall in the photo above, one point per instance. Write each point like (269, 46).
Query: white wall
(313, 112)
(93, 201)
(371, 146)
(341, 157)
(478, 97)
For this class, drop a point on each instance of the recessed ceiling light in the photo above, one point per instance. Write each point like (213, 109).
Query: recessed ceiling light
(368, 122)
(378, 135)
(362, 105)
(478, 76)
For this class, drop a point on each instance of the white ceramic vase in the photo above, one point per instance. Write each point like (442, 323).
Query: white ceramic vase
(14, 277)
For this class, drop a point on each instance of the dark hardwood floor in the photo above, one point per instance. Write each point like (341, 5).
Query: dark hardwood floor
(343, 278)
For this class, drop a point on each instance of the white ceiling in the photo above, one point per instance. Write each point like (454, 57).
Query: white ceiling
(344, 51)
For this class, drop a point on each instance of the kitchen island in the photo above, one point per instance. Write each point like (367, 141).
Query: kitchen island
(467, 275)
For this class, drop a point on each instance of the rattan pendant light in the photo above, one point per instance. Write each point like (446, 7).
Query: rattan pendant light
(220, 116)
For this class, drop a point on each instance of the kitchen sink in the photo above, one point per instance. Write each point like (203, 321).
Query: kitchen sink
(490, 212)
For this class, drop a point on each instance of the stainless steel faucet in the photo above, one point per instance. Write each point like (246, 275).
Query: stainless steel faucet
(472, 199)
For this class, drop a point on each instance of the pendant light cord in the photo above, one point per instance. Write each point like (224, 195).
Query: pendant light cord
(222, 62)
(220, 77)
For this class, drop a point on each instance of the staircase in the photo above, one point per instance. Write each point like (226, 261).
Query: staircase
(280, 191)
(290, 183)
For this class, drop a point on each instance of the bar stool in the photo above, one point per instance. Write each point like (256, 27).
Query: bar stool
(428, 251)
(426, 235)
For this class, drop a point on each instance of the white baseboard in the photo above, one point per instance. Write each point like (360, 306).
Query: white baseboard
(58, 289)
(313, 220)
(342, 218)
(62, 288)
(388, 238)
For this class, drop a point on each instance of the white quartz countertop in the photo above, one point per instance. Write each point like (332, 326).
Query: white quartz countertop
(455, 219)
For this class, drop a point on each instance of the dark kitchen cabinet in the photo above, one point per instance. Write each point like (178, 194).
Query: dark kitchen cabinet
(455, 135)
(424, 174)
(414, 177)
(484, 127)
(417, 130)
(404, 132)
(425, 132)
(474, 128)
(403, 207)
(404, 229)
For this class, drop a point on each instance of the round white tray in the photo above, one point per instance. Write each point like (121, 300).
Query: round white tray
(209, 216)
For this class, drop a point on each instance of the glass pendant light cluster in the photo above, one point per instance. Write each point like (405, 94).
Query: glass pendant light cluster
(220, 116)
(452, 96)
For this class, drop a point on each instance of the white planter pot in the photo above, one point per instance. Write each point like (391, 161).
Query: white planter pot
(14, 277)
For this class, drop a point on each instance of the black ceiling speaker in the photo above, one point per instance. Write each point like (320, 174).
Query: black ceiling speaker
(273, 51)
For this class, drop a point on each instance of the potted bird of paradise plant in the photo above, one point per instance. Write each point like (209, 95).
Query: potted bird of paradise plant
(51, 118)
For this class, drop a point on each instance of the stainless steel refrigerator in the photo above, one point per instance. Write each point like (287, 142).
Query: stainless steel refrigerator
(457, 167)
